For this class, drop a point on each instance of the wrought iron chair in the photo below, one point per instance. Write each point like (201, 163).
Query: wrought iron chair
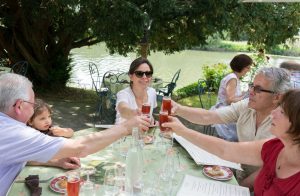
(113, 81)
(101, 92)
(205, 93)
(20, 68)
(168, 89)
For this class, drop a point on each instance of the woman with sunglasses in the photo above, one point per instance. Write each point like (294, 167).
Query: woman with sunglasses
(131, 99)
(279, 158)
(230, 92)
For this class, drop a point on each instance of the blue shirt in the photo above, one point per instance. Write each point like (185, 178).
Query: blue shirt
(19, 144)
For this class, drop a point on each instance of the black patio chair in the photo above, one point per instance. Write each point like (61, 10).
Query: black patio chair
(167, 90)
(205, 93)
(20, 68)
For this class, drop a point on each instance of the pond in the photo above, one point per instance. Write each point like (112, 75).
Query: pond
(189, 61)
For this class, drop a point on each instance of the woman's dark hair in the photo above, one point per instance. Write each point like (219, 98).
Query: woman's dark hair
(137, 62)
(40, 108)
(290, 104)
(239, 62)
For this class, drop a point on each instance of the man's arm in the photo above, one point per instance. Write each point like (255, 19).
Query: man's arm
(196, 115)
(65, 163)
(126, 112)
(231, 151)
(92, 143)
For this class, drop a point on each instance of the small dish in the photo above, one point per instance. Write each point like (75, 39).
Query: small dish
(56, 184)
(149, 139)
(217, 172)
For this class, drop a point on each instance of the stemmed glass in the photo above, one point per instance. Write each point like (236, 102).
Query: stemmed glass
(88, 187)
(148, 136)
(163, 117)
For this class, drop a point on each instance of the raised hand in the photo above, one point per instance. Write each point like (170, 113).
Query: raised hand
(175, 108)
(141, 122)
(175, 125)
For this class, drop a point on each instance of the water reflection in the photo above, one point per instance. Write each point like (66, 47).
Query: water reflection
(189, 61)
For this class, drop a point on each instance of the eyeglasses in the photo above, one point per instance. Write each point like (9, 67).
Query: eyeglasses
(140, 74)
(35, 105)
(258, 89)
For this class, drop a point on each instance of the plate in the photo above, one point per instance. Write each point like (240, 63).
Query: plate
(227, 173)
(54, 184)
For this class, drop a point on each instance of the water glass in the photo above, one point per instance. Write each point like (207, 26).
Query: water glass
(88, 187)
(168, 171)
(110, 182)
(73, 183)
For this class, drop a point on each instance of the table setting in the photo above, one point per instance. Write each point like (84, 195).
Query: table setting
(165, 167)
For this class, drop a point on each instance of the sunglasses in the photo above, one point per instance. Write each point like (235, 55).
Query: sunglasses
(258, 89)
(140, 74)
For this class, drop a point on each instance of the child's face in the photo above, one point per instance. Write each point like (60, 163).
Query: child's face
(42, 121)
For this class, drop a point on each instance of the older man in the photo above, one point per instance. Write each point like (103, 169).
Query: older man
(19, 143)
(252, 116)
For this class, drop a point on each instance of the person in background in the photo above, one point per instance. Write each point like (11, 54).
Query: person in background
(279, 158)
(252, 116)
(230, 92)
(294, 69)
(131, 99)
(42, 121)
(21, 143)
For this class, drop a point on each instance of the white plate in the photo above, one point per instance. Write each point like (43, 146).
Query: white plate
(54, 184)
(227, 173)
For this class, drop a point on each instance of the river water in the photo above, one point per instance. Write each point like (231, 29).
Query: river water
(189, 61)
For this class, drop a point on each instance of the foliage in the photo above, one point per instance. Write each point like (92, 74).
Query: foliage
(259, 60)
(214, 74)
(265, 24)
(186, 91)
(43, 32)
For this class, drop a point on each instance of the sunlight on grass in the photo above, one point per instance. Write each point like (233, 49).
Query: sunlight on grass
(193, 101)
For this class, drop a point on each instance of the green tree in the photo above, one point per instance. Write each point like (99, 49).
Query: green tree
(43, 32)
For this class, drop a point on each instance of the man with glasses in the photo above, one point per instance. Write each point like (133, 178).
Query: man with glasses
(20, 143)
(252, 116)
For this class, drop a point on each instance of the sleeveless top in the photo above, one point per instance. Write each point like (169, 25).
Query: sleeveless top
(222, 95)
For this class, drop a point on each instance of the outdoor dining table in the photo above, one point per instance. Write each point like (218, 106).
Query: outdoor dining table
(153, 161)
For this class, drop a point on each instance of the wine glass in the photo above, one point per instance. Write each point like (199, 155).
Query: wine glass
(88, 187)
(163, 117)
(110, 182)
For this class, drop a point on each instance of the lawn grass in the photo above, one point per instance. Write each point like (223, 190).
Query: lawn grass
(193, 101)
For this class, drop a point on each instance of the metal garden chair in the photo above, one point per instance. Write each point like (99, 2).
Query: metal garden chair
(101, 92)
(113, 81)
(205, 93)
(167, 90)
(20, 68)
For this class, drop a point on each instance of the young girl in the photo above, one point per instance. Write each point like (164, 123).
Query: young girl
(42, 121)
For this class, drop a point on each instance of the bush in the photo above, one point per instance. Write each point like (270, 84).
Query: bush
(186, 91)
(214, 74)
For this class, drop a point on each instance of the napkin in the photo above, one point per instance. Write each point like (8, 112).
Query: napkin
(32, 182)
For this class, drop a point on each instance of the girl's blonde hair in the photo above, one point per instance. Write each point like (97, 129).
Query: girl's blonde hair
(40, 108)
